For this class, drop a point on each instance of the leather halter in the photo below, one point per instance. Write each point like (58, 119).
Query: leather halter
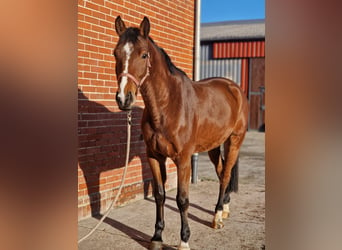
(137, 83)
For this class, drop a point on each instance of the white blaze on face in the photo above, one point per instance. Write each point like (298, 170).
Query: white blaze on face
(128, 48)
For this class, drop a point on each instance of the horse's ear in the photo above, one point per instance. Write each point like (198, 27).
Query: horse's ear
(145, 27)
(120, 26)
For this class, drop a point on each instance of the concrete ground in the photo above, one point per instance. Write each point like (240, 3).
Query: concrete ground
(132, 226)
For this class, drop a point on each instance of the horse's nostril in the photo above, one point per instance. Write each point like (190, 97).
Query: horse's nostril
(124, 102)
(130, 96)
(128, 99)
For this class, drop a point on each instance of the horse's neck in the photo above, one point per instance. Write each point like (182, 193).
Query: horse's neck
(157, 97)
(163, 91)
(151, 102)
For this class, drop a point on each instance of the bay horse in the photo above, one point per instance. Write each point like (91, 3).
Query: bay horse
(181, 117)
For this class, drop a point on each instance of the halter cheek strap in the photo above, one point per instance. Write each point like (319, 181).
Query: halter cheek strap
(137, 83)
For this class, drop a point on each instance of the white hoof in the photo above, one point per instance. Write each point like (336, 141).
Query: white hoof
(218, 222)
(183, 246)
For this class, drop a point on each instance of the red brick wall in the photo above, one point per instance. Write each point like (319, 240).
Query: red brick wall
(102, 126)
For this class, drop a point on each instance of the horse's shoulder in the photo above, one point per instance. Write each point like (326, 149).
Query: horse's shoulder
(156, 141)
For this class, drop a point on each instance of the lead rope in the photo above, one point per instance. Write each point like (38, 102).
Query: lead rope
(129, 123)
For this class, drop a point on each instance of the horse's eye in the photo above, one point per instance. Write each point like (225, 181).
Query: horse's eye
(116, 53)
(144, 56)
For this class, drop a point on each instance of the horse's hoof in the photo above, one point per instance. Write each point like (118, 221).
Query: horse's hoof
(156, 245)
(183, 246)
(217, 222)
(225, 215)
(217, 225)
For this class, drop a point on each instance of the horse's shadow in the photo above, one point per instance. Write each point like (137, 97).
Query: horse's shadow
(102, 137)
(140, 237)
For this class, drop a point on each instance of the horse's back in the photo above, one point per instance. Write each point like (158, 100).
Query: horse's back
(218, 87)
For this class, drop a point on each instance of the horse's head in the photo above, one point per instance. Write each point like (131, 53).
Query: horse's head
(132, 61)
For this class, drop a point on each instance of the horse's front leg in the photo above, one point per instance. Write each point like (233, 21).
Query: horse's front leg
(159, 177)
(183, 173)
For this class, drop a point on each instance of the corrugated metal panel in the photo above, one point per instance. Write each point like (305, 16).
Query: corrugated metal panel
(229, 68)
(242, 49)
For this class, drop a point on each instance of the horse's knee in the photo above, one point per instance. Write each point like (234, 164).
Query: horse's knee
(182, 202)
(159, 195)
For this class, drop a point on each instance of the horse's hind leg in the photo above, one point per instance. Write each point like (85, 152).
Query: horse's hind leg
(216, 159)
(232, 187)
(228, 178)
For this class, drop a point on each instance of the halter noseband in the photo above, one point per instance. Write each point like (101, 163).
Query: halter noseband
(137, 83)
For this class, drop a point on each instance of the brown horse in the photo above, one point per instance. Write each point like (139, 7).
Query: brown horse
(181, 117)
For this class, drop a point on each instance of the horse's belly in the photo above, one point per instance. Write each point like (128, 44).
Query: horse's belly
(209, 139)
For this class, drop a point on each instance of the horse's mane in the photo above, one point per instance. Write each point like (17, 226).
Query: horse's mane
(172, 68)
(170, 65)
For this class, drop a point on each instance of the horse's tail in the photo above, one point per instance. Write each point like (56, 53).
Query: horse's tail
(233, 185)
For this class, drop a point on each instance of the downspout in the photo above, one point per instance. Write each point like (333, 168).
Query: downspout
(194, 157)
(197, 41)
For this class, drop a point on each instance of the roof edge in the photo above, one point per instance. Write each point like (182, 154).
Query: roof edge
(233, 39)
(248, 21)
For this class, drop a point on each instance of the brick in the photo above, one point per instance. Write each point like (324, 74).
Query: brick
(83, 67)
(91, 19)
(97, 28)
(90, 75)
(84, 25)
(92, 48)
(96, 56)
(107, 24)
(106, 51)
(104, 76)
(90, 61)
(90, 33)
(104, 64)
(84, 11)
(92, 6)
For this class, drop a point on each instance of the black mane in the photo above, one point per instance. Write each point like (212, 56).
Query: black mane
(172, 68)
(170, 65)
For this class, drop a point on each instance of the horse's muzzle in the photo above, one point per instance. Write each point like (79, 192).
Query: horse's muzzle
(126, 103)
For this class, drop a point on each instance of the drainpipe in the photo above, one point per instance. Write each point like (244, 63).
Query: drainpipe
(194, 157)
